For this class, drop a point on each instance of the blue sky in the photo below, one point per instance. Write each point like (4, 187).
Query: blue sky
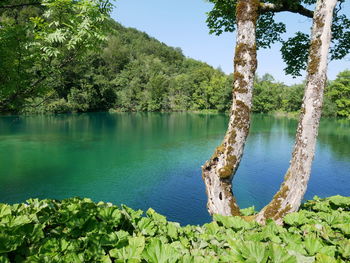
(181, 23)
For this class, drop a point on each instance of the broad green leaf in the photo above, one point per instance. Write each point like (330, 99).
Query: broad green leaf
(132, 213)
(256, 236)
(295, 219)
(234, 222)
(328, 250)
(312, 245)
(9, 243)
(345, 228)
(235, 251)
(184, 241)
(330, 218)
(172, 230)
(73, 257)
(250, 251)
(299, 248)
(344, 248)
(5, 210)
(4, 259)
(156, 251)
(340, 201)
(19, 221)
(279, 255)
(290, 238)
(322, 258)
(108, 214)
(248, 211)
(300, 257)
(158, 219)
(322, 206)
(109, 239)
(255, 252)
(130, 253)
(122, 238)
(51, 245)
(106, 259)
(147, 226)
(212, 228)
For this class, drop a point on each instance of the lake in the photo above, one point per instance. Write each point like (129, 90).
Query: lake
(153, 159)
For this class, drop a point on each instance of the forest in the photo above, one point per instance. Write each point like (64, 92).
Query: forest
(128, 70)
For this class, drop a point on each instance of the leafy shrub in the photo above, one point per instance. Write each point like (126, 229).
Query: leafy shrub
(78, 100)
(59, 106)
(79, 230)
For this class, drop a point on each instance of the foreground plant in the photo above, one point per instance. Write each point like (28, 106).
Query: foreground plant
(79, 230)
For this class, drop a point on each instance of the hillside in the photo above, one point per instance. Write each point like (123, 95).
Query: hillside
(135, 72)
(127, 71)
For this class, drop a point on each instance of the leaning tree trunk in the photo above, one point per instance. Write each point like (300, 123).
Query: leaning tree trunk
(218, 172)
(292, 190)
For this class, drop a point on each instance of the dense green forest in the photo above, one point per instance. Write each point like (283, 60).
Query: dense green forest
(126, 71)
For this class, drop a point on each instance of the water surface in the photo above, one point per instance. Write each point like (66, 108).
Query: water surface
(153, 159)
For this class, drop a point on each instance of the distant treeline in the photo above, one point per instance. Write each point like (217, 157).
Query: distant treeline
(134, 72)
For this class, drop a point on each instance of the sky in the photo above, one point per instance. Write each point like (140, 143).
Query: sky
(181, 23)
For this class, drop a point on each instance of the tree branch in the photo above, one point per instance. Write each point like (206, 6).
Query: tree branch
(285, 6)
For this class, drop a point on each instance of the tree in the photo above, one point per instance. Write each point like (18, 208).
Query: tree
(49, 35)
(293, 97)
(255, 28)
(339, 93)
(267, 94)
(217, 173)
(292, 190)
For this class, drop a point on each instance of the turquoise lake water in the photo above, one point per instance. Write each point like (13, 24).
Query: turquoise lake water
(153, 159)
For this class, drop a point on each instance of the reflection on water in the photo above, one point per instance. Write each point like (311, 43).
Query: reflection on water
(154, 159)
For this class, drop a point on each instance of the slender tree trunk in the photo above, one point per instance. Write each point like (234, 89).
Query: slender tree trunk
(218, 172)
(292, 190)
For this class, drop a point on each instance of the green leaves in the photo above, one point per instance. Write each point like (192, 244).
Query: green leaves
(312, 245)
(110, 214)
(279, 255)
(295, 52)
(295, 219)
(156, 251)
(79, 230)
(340, 201)
(236, 222)
(248, 211)
(338, 93)
(130, 253)
(70, 25)
(222, 18)
(4, 210)
(38, 41)
(345, 228)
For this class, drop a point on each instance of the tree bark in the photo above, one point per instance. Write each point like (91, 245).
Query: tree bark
(292, 190)
(286, 6)
(218, 172)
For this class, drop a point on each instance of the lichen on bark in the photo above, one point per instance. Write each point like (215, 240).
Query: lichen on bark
(292, 190)
(218, 172)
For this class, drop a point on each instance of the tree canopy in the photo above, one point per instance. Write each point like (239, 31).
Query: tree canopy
(50, 66)
(269, 31)
(38, 38)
